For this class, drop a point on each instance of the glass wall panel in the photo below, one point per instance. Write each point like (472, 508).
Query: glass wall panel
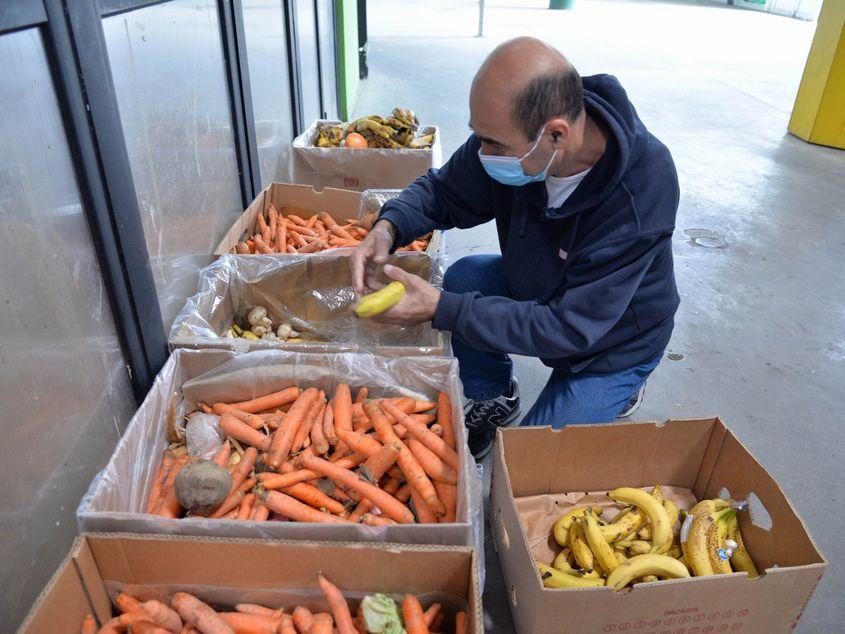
(306, 28)
(328, 65)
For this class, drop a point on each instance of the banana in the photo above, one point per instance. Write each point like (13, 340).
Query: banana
(672, 511)
(717, 537)
(740, 560)
(657, 493)
(621, 557)
(649, 578)
(378, 302)
(695, 548)
(645, 533)
(708, 506)
(642, 565)
(562, 564)
(556, 579)
(683, 560)
(638, 546)
(660, 528)
(595, 539)
(675, 552)
(580, 550)
(561, 527)
(627, 521)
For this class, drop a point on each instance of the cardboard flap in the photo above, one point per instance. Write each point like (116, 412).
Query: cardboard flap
(86, 567)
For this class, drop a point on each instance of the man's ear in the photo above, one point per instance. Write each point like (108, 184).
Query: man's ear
(559, 130)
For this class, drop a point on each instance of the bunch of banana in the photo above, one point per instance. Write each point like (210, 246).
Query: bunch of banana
(396, 132)
(640, 543)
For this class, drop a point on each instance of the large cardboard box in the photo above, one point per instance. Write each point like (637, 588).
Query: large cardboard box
(313, 294)
(340, 203)
(361, 169)
(540, 473)
(225, 572)
(117, 497)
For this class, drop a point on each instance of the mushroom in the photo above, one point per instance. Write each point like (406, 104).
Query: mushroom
(259, 331)
(266, 322)
(269, 335)
(284, 331)
(256, 315)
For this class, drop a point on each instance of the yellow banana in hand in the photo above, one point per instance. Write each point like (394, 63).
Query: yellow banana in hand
(643, 565)
(661, 530)
(378, 302)
(740, 560)
(561, 527)
(556, 579)
(595, 539)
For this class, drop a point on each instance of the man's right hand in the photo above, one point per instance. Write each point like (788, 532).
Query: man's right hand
(370, 255)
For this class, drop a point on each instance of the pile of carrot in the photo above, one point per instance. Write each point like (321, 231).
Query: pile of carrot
(187, 614)
(296, 455)
(287, 231)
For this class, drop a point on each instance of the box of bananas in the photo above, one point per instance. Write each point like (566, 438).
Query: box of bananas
(712, 544)
(372, 152)
(648, 539)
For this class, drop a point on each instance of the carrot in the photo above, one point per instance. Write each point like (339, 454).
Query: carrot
(342, 407)
(311, 221)
(434, 467)
(338, 606)
(412, 614)
(376, 520)
(328, 426)
(144, 626)
(448, 494)
(313, 247)
(294, 510)
(461, 626)
(246, 507)
(424, 435)
(344, 477)
(89, 625)
(260, 512)
(250, 623)
(262, 246)
(327, 219)
(341, 233)
(233, 501)
(404, 493)
(312, 496)
(126, 602)
(362, 444)
(412, 469)
(169, 502)
(302, 438)
(284, 436)
(444, 418)
(263, 228)
(282, 480)
(162, 615)
(431, 613)
(422, 510)
(303, 619)
(318, 435)
(199, 615)
(243, 432)
(281, 237)
(253, 420)
(273, 222)
(154, 497)
(287, 626)
(221, 458)
(112, 626)
(379, 462)
(322, 624)
(243, 468)
(361, 396)
(290, 248)
(268, 401)
(254, 608)
(340, 451)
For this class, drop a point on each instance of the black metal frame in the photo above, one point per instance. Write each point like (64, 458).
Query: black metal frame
(76, 51)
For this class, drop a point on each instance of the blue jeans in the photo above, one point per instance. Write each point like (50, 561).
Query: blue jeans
(586, 397)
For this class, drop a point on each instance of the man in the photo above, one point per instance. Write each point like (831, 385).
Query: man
(584, 200)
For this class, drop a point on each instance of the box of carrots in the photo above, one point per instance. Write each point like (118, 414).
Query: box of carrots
(114, 583)
(297, 219)
(347, 446)
(297, 303)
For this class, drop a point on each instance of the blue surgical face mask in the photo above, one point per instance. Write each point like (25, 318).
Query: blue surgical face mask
(508, 169)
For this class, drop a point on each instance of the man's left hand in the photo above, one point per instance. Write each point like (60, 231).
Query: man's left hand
(417, 305)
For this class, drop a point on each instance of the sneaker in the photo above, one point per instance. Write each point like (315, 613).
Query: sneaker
(483, 418)
(634, 404)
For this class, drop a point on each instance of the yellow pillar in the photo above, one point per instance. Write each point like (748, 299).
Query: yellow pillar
(819, 112)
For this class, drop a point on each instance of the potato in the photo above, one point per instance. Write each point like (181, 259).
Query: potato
(202, 486)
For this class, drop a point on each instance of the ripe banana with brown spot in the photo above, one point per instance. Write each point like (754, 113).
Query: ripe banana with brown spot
(627, 521)
(562, 564)
(580, 549)
(643, 565)
(597, 543)
(740, 560)
(660, 528)
(708, 506)
(556, 579)
(695, 547)
(717, 549)
(561, 527)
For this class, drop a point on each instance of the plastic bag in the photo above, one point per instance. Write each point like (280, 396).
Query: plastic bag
(202, 435)
(306, 292)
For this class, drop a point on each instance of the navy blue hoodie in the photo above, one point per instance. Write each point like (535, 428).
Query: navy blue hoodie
(591, 284)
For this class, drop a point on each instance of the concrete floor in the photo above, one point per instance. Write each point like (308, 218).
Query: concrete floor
(760, 336)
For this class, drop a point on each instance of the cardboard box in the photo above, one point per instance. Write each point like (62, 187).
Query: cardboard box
(373, 168)
(340, 203)
(540, 473)
(312, 294)
(225, 572)
(117, 497)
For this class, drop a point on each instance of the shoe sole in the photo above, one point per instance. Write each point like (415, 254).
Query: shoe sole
(510, 422)
(640, 397)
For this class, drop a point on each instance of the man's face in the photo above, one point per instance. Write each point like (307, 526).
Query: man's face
(490, 119)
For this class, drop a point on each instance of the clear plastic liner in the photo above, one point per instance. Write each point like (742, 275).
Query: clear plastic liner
(361, 169)
(312, 294)
(116, 498)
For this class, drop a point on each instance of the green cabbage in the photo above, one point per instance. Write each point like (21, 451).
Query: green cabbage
(381, 615)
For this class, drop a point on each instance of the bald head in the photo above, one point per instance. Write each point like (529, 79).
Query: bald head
(524, 83)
